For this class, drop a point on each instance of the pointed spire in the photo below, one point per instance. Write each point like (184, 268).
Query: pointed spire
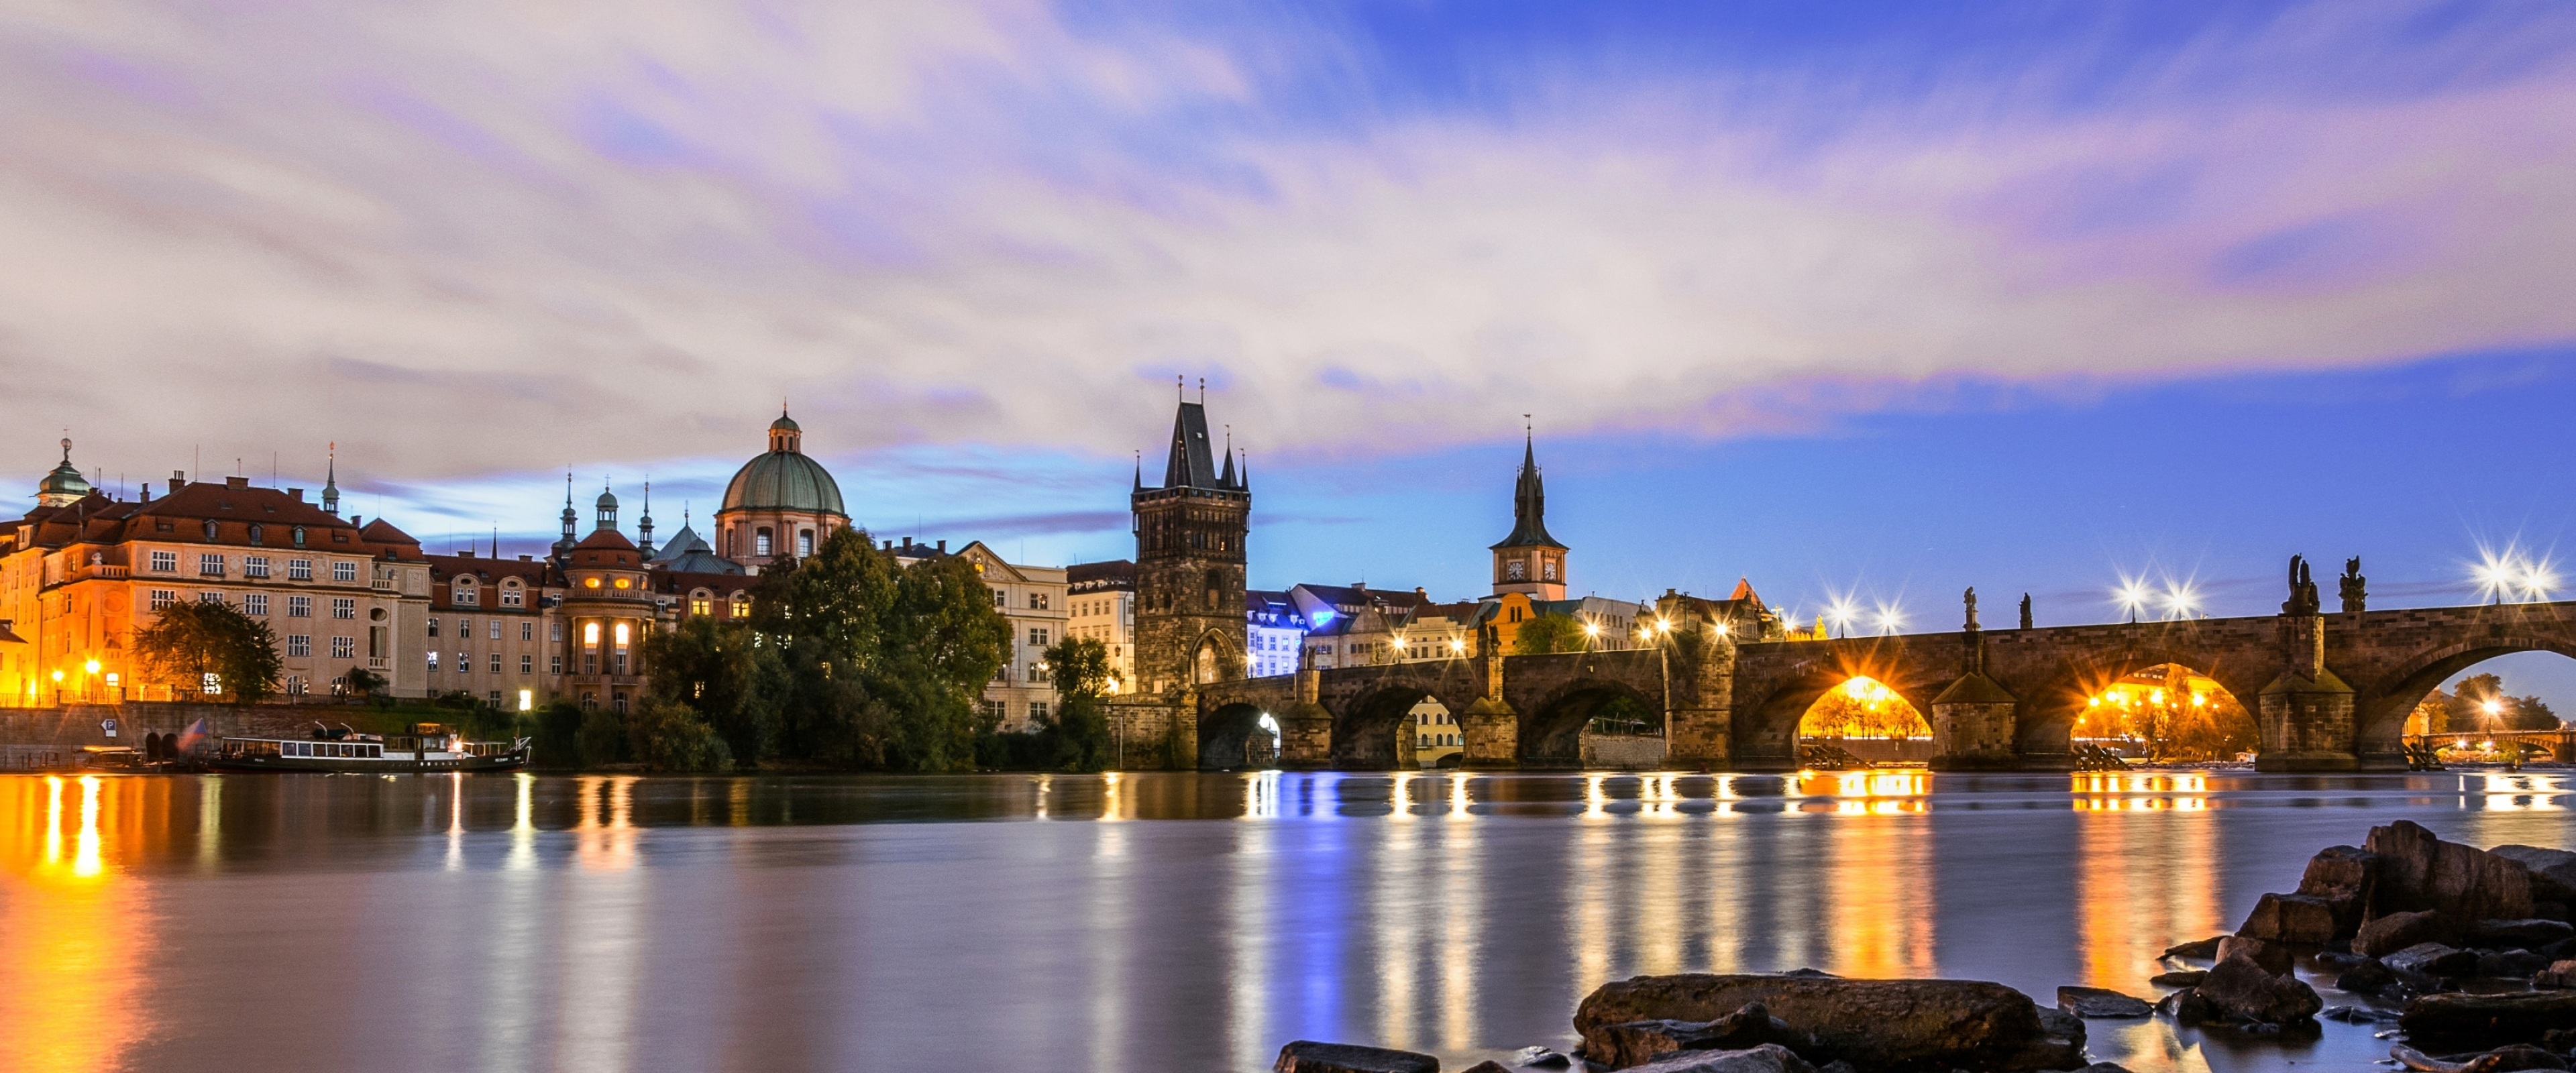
(331, 481)
(1227, 478)
(644, 522)
(1243, 476)
(1140, 471)
(1529, 501)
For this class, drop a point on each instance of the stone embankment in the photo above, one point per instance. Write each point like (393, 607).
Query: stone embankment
(2470, 953)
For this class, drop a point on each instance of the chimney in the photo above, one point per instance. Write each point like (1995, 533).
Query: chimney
(147, 491)
(236, 482)
(889, 546)
(943, 547)
(466, 554)
(527, 558)
(907, 543)
(296, 494)
(178, 479)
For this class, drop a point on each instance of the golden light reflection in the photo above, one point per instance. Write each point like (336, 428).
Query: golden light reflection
(2136, 792)
(1400, 800)
(1863, 793)
(1881, 879)
(1596, 802)
(2521, 793)
(1462, 926)
(607, 843)
(1045, 790)
(1113, 797)
(1458, 798)
(73, 931)
(1261, 796)
(2143, 884)
(1397, 912)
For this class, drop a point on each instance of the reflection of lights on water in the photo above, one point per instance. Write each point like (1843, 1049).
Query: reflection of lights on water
(1458, 797)
(53, 819)
(523, 825)
(1400, 806)
(2103, 791)
(2522, 793)
(1046, 784)
(1111, 787)
(1596, 801)
(1261, 796)
(85, 861)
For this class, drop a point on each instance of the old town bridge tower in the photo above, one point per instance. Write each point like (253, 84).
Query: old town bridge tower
(1189, 561)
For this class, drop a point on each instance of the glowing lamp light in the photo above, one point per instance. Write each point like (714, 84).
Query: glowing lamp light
(91, 666)
(1720, 627)
(58, 676)
(1592, 629)
(527, 700)
(1457, 645)
(2493, 707)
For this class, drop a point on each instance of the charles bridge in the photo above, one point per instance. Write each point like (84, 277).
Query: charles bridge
(2328, 691)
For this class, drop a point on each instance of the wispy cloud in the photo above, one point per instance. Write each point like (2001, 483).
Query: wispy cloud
(471, 238)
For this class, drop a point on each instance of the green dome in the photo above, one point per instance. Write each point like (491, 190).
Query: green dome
(784, 480)
(64, 485)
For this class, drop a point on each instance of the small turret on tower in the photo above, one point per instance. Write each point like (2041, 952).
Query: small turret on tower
(65, 485)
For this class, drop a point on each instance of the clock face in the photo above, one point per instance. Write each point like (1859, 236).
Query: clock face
(1515, 570)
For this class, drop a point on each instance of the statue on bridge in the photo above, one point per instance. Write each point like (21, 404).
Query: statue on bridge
(1972, 607)
(2025, 611)
(2303, 590)
(2353, 587)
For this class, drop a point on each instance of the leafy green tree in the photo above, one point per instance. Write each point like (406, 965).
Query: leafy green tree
(666, 735)
(1548, 633)
(558, 735)
(602, 738)
(722, 672)
(879, 665)
(1080, 727)
(189, 641)
(366, 683)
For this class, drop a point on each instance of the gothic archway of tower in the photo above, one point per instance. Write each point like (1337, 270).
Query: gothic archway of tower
(1214, 659)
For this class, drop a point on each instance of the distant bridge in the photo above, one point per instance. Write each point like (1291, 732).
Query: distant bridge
(2329, 692)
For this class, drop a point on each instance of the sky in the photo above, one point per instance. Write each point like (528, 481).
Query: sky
(1869, 302)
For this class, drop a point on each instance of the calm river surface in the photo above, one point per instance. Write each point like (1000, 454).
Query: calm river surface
(1138, 922)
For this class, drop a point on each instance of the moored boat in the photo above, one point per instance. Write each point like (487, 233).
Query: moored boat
(428, 747)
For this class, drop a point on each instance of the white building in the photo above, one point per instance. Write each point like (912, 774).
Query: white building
(1033, 598)
(1273, 632)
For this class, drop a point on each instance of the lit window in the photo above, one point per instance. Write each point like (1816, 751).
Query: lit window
(622, 583)
(590, 582)
(590, 634)
(621, 635)
(700, 605)
(433, 660)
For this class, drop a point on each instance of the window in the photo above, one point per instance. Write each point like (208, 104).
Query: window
(590, 635)
(527, 663)
(433, 625)
(299, 644)
(554, 664)
(465, 628)
(462, 594)
(166, 562)
(343, 570)
(163, 598)
(700, 604)
(760, 541)
(344, 607)
(344, 647)
(299, 607)
(255, 604)
(298, 536)
(210, 529)
(433, 660)
(210, 564)
(210, 597)
(299, 569)
(496, 663)
(1547, 569)
(257, 532)
(255, 566)
(1037, 638)
(805, 543)
(1001, 599)
(742, 605)
(621, 636)
(1515, 570)
(994, 710)
(496, 629)
(1037, 710)
(557, 630)
(511, 596)
(465, 663)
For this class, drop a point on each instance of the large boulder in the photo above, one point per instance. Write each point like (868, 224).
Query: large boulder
(2526, 934)
(2433, 960)
(2367, 978)
(2553, 871)
(2274, 957)
(2417, 870)
(2389, 934)
(1885, 1026)
(2557, 977)
(2299, 918)
(2098, 1002)
(1767, 1058)
(1308, 1056)
(1636, 1042)
(2239, 989)
(2462, 1018)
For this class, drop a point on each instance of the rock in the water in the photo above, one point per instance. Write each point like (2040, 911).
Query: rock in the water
(2386, 935)
(2367, 978)
(2239, 989)
(2519, 1056)
(2527, 934)
(1489, 1066)
(1884, 1026)
(1767, 1058)
(2432, 959)
(2419, 871)
(1308, 1056)
(2487, 1020)
(2298, 918)
(2553, 871)
(2357, 1015)
(1622, 1045)
(2204, 950)
(2095, 1002)
(2274, 957)
(2561, 975)
(2511, 964)
(2102, 1067)
(2179, 978)
(2340, 870)
(1540, 1058)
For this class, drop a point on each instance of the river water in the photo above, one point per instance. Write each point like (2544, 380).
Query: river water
(1136, 922)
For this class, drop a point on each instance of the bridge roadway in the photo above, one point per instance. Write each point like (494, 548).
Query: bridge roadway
(2329, 691)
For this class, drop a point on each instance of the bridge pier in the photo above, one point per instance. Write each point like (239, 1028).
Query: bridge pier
(1972, 726)
(1489, 726)
(1699, 698)
(2306, 715)
(1306, 728)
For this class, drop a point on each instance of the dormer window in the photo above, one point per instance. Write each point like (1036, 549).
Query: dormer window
(256, 532)
(297, 536)
(210, 529)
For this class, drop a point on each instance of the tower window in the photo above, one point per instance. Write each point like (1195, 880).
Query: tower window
(760, 541)
(805, 543)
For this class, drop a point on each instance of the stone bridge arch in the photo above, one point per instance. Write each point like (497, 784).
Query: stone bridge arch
(1787, 677)
(2054, 673)
(2379, 721)
(1554, 696)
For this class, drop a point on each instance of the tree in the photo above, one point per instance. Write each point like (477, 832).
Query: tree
(722, 672)
(602, 738)
(365, 683)
(666, 735)
(1080, 728)
(1863, 708)
(189, 642)
(879, 665)
(1546, 634)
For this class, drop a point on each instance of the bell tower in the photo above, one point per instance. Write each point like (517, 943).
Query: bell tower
(1529, 561)
(1189, 560)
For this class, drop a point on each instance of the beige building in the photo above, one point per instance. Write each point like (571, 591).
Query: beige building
(1033, 598)
(1103, 608)
(81, 572)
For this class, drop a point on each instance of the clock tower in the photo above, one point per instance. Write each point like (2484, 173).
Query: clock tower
(1529, 561)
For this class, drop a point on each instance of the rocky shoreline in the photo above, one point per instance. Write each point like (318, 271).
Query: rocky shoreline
(2468, 957)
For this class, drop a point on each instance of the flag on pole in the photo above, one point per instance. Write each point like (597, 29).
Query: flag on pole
(190, 738)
